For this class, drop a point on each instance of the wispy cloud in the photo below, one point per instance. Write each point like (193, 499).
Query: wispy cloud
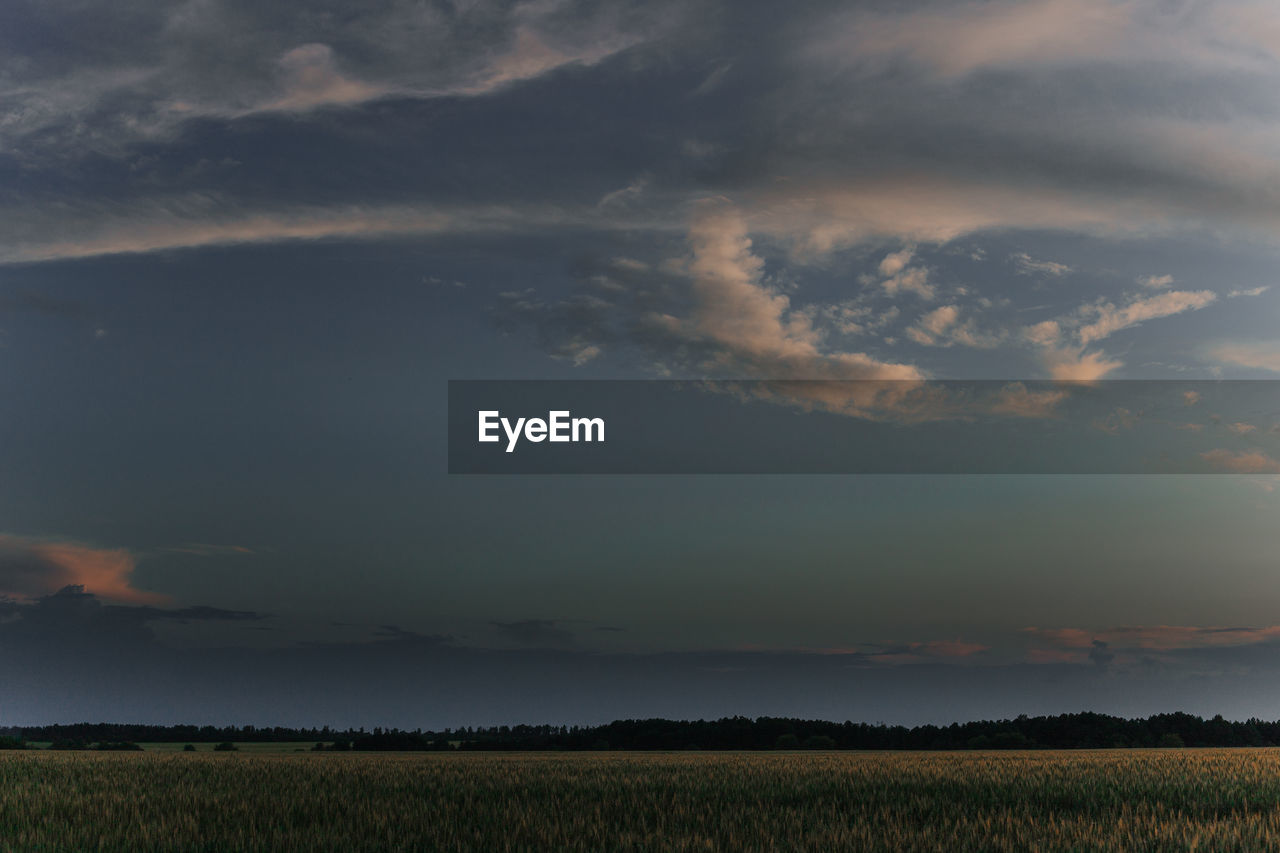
(205, 549)
(1017, 400)
(1065, 342)
(964, 38)
(898, 276)
(196, 221)
(309, 78)
(944, 327)
(171, 64)
(1108, 319)
(753, 326)
(842, 211)
(1262, 355)
(1027, 265)
(709, 310)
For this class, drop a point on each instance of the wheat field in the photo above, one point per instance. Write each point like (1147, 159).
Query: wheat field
(1095, 800)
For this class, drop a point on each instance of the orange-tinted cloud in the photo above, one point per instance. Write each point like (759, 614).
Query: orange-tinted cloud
(1073, 638)
(949, 648)
(1251, 462)
(30, 568)
(1108, 319)
(1155, 638)
(1068, 364)
(919, 652)
(1015, 399)
(1056, 656)
(750, 326)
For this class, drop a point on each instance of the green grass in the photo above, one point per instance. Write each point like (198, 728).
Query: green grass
(1086, 800)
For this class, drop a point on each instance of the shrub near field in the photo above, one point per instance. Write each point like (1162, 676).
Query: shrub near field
(1150, 800)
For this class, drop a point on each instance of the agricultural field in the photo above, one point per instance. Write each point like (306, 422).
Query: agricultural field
(1219, 799)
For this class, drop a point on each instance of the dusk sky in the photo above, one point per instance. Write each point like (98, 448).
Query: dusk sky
(244, 246)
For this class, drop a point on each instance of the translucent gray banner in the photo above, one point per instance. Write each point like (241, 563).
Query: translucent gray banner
(864, 427)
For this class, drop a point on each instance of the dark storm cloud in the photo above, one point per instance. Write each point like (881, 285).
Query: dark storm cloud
(72, 603)
(74, 619)
(537, 633)
(1101, 653)
(396, 634)
(193, 614)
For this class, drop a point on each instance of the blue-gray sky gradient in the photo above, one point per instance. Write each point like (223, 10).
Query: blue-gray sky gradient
(243, 246)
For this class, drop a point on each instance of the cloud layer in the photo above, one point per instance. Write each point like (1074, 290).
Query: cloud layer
(865, 144)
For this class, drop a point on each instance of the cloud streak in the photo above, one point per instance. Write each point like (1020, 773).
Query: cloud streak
(1108, 319)
(964, 38)
(198, 221)
(1258, 356)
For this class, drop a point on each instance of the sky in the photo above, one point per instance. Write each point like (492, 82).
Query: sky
(245, 246)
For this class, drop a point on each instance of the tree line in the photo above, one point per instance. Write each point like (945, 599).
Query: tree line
(1063, 731)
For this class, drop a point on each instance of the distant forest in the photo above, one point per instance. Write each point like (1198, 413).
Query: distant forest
(1065, 731)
